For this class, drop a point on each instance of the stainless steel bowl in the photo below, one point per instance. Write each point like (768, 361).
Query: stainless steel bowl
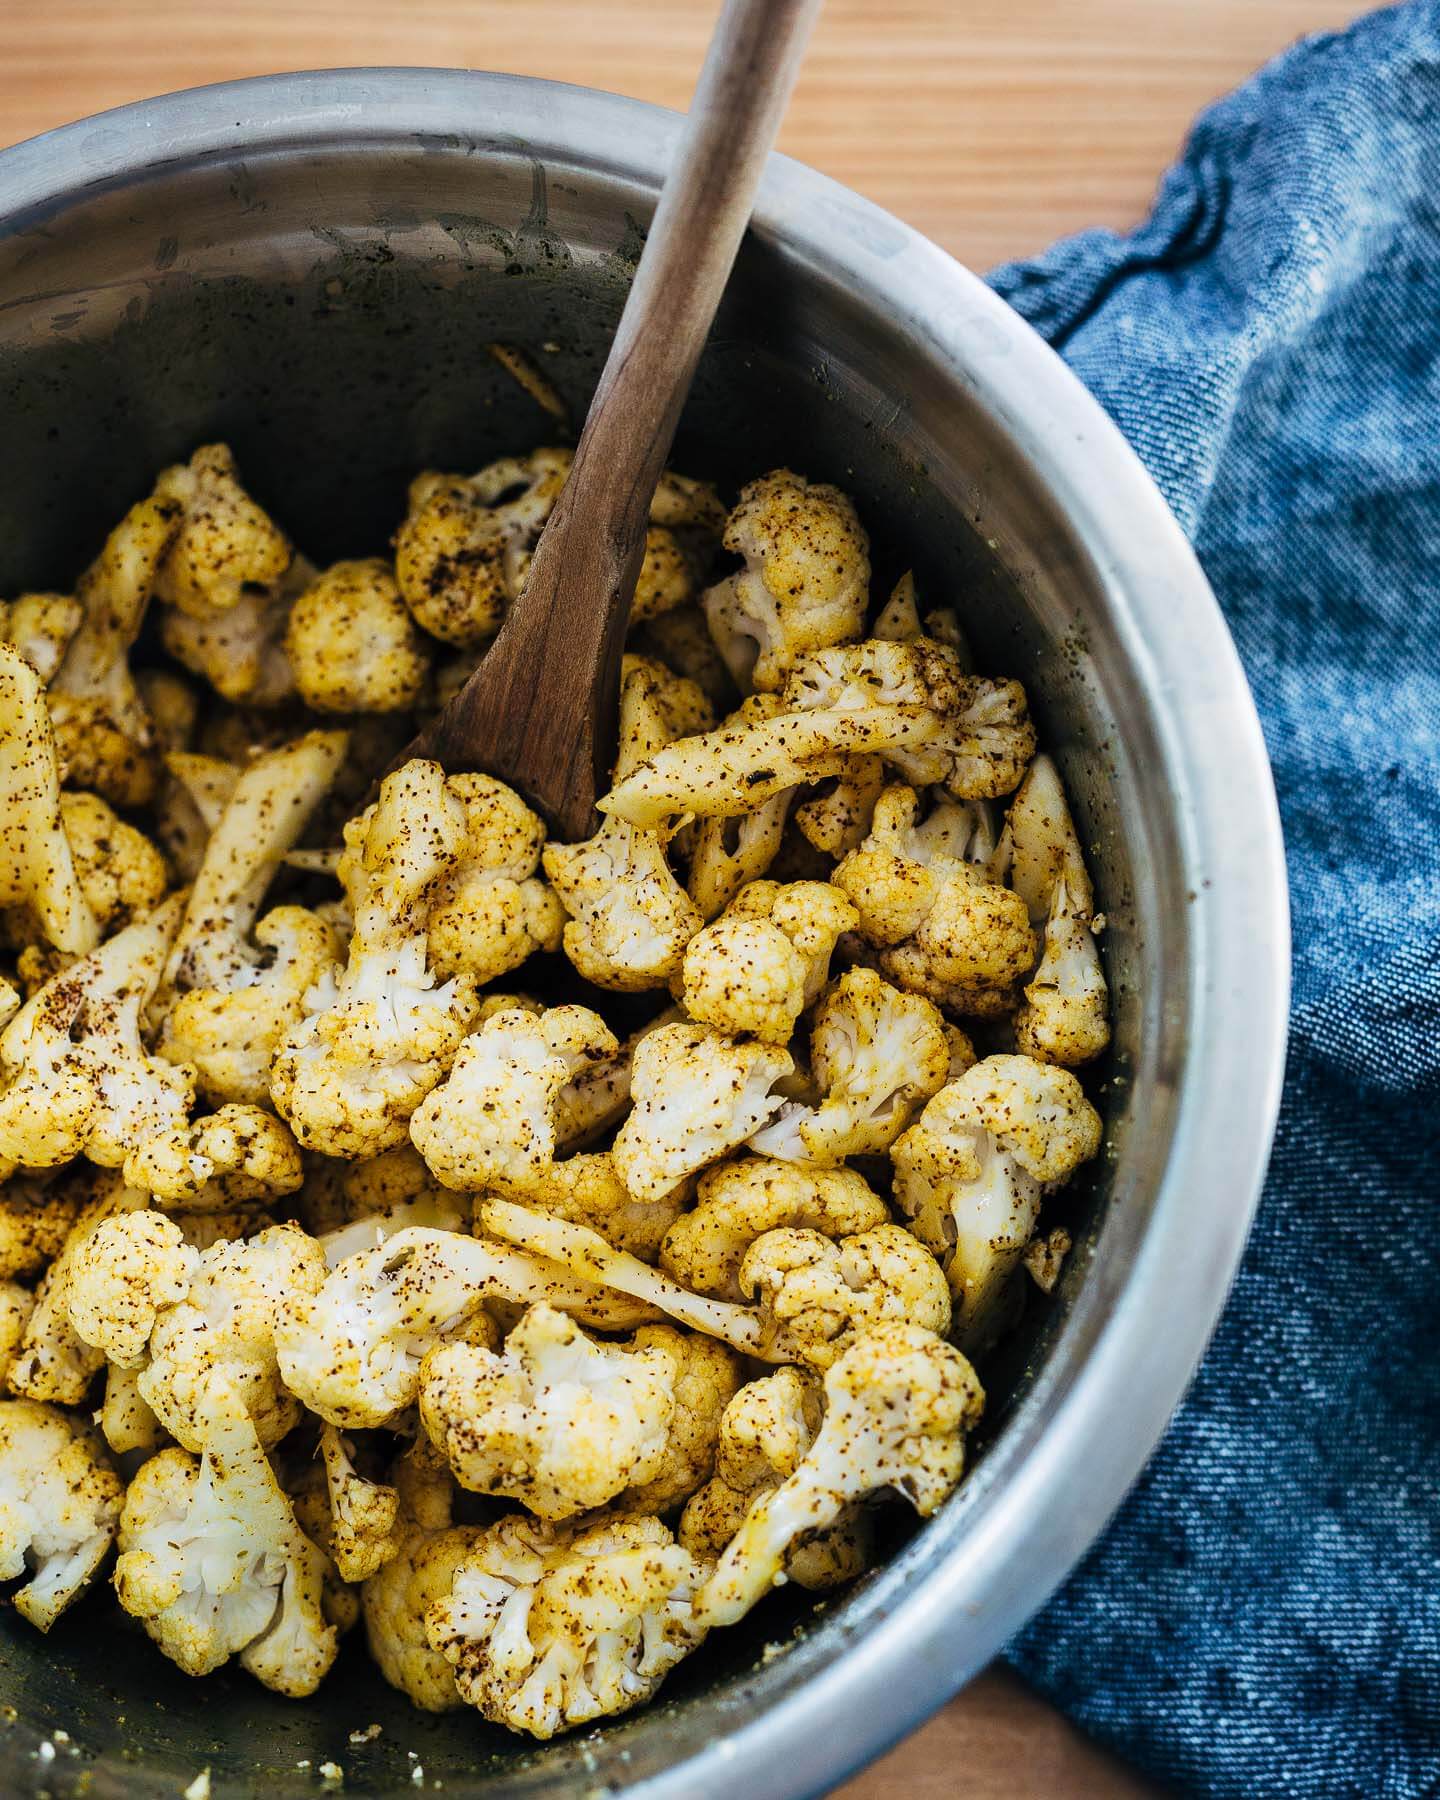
(308, 266)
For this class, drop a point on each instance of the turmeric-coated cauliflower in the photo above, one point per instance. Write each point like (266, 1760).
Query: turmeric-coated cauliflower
(757, 968)
(224, 543)
(351, 644)
(241, 652)
(59, 1507)
(587, 1190)
(239, 1155)
(551, 1626)
(40, 626)
(492, 909)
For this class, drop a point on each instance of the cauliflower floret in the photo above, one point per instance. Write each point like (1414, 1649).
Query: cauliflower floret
(739, 1201)
(51, 1362)
(696, 1095)
(40, 626)
(876, 1055)
(17, 1303)
(725, 853)
(352, 1206)
(1064, 1017)
(812, 1295)
(943, 929)
(241, 652)
(970, 1174)
(122, 1277)
(351, 644)
(550, 1626)
(898, 1404)
(352, 1352)
(757, 968)
(35, 1220)
(212, 1561)
(765, 1430)
(59, 1507)
(707, 1375)
(557, 1420)
(364, 1529)
(224, 543)
(126, 1421)
(104, 734)
(79, 1078)
(122, 874)
(238, 1156)
(194, 792)
(463, 552)
(173, 703)
(380, 1034)
(599, 1096)
(491, 1122)
(40, 878)
(806, 580)
(587, 1190)
(837, 819)
(492, 910)
(630, 919)
(906, 702)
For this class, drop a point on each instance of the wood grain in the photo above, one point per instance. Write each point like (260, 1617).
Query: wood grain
(992, 125)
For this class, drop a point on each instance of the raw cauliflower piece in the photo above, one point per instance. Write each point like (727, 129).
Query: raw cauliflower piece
(122, 874)
(352, 1351)
(557, 1420)
(237, 1156)
(397, 1597)
(39, 878)
(765, 1431)
(194, 792)
(241, 652)
(725, 853)
(364, 1528)
(906, 702)
(805, 583)
(760, 965)
(551, 1626)
(40, 626)
(898, 1405)
(630, 919)
(876, 1055)
(224, 543)
(599, 1096)
(971, 1172)
(213, 1563)
(491, 1122)
(352, 646)
(231, 1000)
(707, 1375)
(837, 819)
(126, 1421)
(59, 1507)
(463, 551)
(123, 1275)
(943, 928)
(79, 1078)
(103, 732)
(173, 703)
(1064, 1017)
(696, 1095)
(380, 1034)
(812, 1296)
(739, 1201)
(587, 1190)
(17, 1303)
(492, 910)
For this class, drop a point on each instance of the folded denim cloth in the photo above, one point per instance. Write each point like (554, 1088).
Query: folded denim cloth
(1263, 1616)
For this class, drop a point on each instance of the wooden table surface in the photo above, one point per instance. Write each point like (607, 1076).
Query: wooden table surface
(992, 125)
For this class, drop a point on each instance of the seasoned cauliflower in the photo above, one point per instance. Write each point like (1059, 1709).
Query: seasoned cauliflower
(17, 1303)
(491, 1122)
(942, 928)
(739, 1201)
(1065, 1015)
(492, 909)
(352, 1351)
(126, 1421)
(241, 652)
(837, 819)
(102, 730)
(39, 878)
(224, 543)
(630, 919)
(122, 874)
(550, 1626)
(40, 626)
(352, 1206)
(805, 583)
(725, 853)
(379, 1033)
(364, 1528)
(352, 646)
(681, 640)
(122, 1277)
(758, 967)
(78, 1076)
(764, 1432)
(898, 1405)
(876, 1055)
(587, 1190)
(59, 1507)
(696, 1095)
(971, 1172)
(237, 1156)
(213, 1563)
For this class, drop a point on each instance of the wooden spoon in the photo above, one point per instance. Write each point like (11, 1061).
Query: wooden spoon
(540, 712)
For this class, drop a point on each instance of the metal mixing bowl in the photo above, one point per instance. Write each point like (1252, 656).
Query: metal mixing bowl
(308, 267)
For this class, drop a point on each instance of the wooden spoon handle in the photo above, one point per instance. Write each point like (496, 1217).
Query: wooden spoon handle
(566, 631)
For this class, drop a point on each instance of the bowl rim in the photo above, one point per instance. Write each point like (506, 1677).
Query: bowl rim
(920, 1641)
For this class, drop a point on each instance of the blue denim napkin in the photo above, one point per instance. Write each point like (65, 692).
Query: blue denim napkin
(1263, 1616)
